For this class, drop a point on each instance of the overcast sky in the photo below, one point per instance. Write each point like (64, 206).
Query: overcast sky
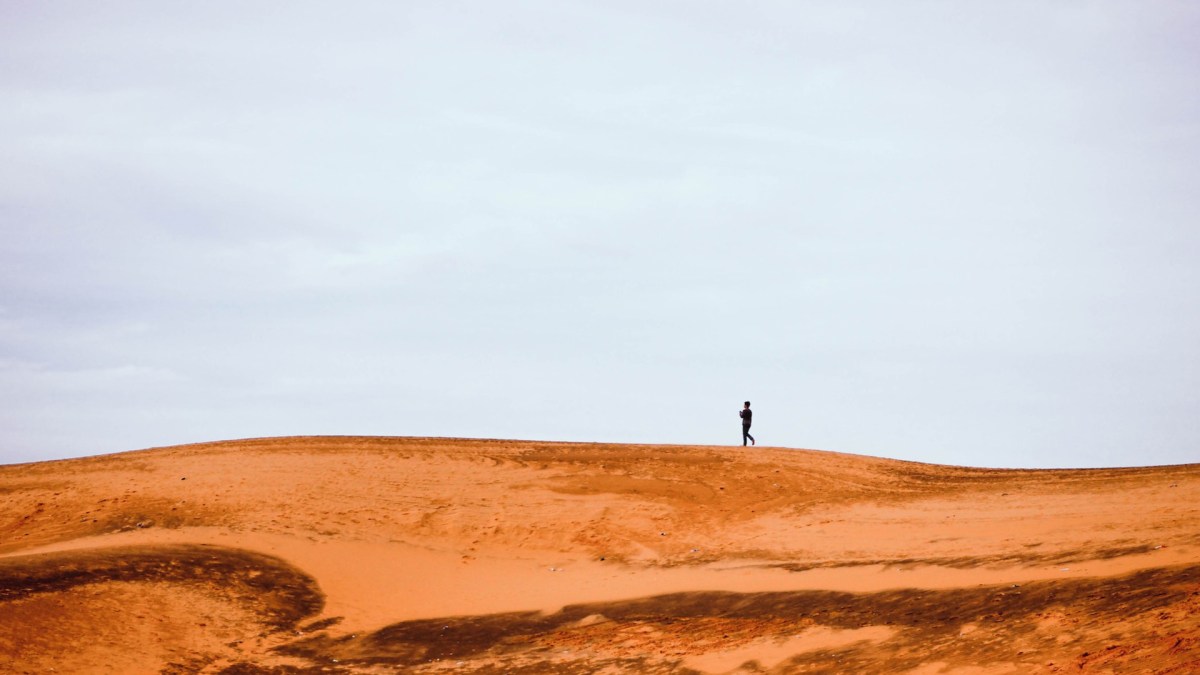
(952, 232)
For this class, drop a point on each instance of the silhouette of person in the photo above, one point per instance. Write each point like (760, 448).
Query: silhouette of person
(746, 413)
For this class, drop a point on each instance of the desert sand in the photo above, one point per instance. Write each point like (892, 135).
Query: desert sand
(425, 555)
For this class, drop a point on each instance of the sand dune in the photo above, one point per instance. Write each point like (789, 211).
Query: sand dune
(381, 555)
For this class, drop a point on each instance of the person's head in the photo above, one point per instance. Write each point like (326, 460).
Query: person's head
(747, 404)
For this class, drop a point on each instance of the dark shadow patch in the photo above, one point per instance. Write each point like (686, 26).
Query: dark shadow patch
(929, 618)
(321, 625)
(279, 593)
(976, 562)
(255, 669)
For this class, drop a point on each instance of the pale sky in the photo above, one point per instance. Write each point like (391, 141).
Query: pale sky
(962, 233)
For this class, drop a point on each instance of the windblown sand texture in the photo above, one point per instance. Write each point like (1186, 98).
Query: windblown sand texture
(419, 555)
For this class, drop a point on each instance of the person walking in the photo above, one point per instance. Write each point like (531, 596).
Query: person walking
(746, 413)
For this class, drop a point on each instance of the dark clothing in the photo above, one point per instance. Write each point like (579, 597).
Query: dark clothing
(746, 416)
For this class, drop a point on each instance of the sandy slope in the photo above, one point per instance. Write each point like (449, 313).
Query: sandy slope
(378, 555)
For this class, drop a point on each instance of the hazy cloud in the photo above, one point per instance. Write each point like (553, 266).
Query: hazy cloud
(925, 230)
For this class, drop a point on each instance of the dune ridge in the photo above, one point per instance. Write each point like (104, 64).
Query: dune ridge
(375, 555)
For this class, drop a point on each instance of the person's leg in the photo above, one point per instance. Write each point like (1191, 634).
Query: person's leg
(746, 434)
(751, 437)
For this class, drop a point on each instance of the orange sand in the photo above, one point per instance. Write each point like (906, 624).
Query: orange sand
(380, 555)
